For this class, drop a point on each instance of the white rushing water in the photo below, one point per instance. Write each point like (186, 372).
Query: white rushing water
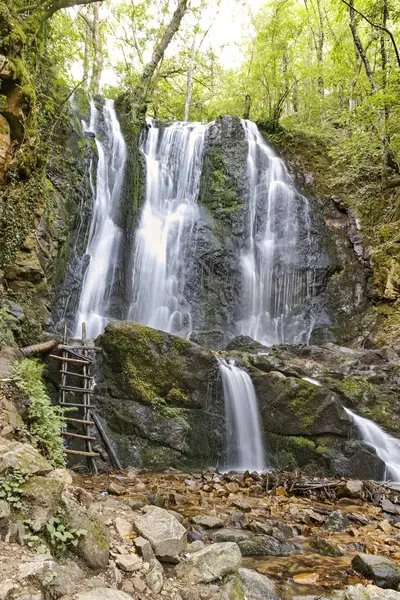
(245, 443)
(104, 236)
(276, 281)
(165, 235)
(386, 447)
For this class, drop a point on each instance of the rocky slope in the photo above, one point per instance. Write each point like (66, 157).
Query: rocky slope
(161, 400)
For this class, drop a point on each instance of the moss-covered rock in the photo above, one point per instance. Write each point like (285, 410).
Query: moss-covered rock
(40, 498)
(160, 397)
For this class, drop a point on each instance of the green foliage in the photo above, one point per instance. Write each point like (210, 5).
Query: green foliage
(44, 420)
(11, 488)
(59, 536)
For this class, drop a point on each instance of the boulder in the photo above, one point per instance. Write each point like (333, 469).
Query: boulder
(382, 570)
(63, 580)
(210, 564)
(22, 457)
(123, 527)
(41, 498)
(259, 545)
(155, 576)
(128, 562)
(336, 521)
(164, 532)
(257, 586)
(36, 569)
(229, 535)
(208, 521)
(62, 475)
(93, 547)
(361, 592)
(144, 548)
(325, 547)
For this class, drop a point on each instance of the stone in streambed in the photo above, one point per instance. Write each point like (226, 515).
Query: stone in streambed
(105, 594)
(155, 576)
(208, 521)
(210, 564)
(164, 532)
(336, 521)
(128, 562)
(259, 545)
(324, 547)
(361, 592)
(383, 571)
(229, 535)
(257, 586)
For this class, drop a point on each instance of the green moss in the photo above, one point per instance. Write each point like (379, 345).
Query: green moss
(99, 535)
(291, 452)
(304, 402)
(152, 371)
(217, 189)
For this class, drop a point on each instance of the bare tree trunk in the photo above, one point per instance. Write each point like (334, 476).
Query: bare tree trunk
(97, 67)
(359, 47)
(86, 56)
(247, 107)
(189, 81)
(320, 49)
(139, 92)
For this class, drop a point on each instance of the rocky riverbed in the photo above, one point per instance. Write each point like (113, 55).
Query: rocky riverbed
(198, 536)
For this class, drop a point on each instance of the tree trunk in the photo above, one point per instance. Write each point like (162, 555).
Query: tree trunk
(359, 47)
(247, 107)
(189, 81)
(139, 92)
(320, 49)
(97, 67)
(86, 57)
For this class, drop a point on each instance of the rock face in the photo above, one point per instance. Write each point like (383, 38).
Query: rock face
(361, 592)
(210, 564)
(161, 399)
(155, 392)
(164, 532)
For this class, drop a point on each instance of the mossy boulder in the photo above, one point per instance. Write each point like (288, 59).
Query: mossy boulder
(18, 456)
(40, 499)
(159, 396)
(292, 406)
(94, 546)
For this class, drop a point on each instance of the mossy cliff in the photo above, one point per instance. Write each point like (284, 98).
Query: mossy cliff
(42, 180)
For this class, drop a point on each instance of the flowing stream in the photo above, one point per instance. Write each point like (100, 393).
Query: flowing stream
(165, 235)
(276, 281)
(245, 443)
(385, 446)
(104, 236)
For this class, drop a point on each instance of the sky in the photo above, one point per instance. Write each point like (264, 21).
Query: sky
(232, 21)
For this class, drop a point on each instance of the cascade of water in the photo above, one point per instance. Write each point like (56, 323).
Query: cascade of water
(276, 279)
(165, 235)
(245, 444)
(386, 447)
(104, 235)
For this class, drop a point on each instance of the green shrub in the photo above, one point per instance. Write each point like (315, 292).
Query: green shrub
(11, 487)
(44, 420)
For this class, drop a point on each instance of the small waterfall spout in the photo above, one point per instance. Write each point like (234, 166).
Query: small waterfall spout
(245, 444)
(105, 236)
(166, 232)
(386, 447)
(277, 279)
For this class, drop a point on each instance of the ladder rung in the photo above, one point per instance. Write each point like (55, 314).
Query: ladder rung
(77, 435)
(73, 404)
(80, 452)
(77, 390)
(82, 421)
(71, 360)
(65, 347)
(63, 372)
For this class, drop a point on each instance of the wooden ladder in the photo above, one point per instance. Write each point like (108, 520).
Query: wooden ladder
(76, 361)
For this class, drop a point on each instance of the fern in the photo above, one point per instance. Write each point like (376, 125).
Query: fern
(44, 420)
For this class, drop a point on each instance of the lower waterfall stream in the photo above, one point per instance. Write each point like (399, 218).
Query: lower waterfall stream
(245, 443)
(385, 446)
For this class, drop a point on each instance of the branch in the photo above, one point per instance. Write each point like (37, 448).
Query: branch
(49, 8)
(377, 26)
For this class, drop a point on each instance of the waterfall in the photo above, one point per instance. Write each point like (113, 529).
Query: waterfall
(104, 236)
(385, 446)
(166, 232)
(277, 281)
(245, 444)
